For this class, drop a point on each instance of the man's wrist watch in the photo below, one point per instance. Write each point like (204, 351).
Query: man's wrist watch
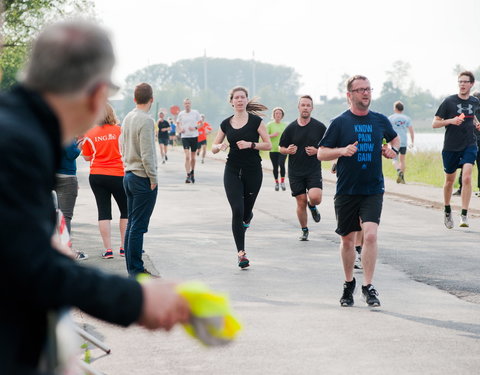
(396, 150)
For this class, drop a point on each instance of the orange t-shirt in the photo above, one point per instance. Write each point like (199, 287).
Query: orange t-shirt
(202, 131)
(101, 143)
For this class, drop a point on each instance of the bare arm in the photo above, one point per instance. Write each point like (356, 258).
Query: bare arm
(264, 146)
(412, 134)
(218, 142)
(439, 122)
(327, 153)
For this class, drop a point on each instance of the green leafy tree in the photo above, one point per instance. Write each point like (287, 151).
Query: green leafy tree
(23, 19)
(275, 84)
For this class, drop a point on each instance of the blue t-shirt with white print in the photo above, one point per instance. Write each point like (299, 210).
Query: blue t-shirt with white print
(360, 174)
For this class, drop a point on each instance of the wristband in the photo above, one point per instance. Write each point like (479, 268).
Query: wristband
(396, 151)
(253, 145)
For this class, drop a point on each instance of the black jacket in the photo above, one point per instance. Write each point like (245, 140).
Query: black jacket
(34, 278)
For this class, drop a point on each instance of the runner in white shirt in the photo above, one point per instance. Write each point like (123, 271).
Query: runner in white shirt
(187, 128)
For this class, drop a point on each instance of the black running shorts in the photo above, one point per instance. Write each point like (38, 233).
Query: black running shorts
(300, 185)
(190, 143)
(350, 210)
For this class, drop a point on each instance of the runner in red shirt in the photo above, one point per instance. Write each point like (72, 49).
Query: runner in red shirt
(101, 148)
(204, 129)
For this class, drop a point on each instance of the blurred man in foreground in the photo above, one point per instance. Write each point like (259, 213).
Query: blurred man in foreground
(62, 94)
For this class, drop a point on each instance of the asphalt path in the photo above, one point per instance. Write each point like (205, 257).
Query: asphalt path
(288, 299)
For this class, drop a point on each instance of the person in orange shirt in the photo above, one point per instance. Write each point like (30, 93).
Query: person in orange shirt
(101, 148)
(204, 129)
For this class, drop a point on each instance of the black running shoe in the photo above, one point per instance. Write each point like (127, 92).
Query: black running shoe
(370, 295)
(347, 296)
(192, 177)
(304, 236)
(315, 213)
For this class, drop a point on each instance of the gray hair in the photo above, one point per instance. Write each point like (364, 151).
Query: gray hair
(69, 57)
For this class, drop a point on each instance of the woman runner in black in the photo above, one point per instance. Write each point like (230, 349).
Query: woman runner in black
(243, 171)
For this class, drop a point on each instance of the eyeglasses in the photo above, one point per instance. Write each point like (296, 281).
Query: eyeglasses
(363, 90)
(463, 82)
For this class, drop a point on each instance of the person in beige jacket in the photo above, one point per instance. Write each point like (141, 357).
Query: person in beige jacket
(140, 181)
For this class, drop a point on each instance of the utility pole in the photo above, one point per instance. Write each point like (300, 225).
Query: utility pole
(205, 85)
(254, 83)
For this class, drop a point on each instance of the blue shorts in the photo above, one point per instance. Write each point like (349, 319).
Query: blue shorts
(455, 159)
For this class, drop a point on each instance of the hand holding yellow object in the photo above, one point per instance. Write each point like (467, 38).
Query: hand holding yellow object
(211, 320)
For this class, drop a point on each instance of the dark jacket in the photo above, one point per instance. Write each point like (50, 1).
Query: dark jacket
(35, 278)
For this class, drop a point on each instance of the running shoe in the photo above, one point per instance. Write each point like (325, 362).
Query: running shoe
(399, 178)
(80, 255)
(457, 193)
(370, 295)
(108, 254)
(358, 262)
(282, 185)
(347, 296)
(243, 261)
(402, 178)
(315, 213)
(166, 157)
(203, 161)
(188, 180)
(448, 220)
(277, 186)
(122, 252)
(464, 221)
(192, 177)
(304, 236)
(246, 224)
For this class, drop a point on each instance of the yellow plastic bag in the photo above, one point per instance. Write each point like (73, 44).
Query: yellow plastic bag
(212, 321)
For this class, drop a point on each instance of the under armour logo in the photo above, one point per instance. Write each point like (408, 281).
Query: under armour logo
(468, 108)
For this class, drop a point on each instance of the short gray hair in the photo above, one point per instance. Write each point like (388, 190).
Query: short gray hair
(68, 57)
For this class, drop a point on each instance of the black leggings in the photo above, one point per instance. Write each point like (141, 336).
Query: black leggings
(278, 160)
(242, 187)
(103, 187)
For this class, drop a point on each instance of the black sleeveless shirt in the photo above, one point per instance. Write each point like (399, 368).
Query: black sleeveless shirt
(246, 158)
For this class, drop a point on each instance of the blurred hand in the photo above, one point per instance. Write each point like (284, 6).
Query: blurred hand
(350, 150)
(388, 152)
(410, 145)
(292, 150)
(153, 186)
(243, 145)
(62, 248)
(162, 306)
(310, 150)
(456, 121)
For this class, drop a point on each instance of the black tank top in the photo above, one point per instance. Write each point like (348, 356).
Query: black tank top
(246, 158)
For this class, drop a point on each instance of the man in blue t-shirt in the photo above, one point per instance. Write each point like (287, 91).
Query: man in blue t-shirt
(355, 138)
(457, 115)
(401, 123)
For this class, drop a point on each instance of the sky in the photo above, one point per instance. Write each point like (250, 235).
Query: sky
(321, 40)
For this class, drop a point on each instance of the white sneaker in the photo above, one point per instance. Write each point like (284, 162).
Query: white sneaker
(358, 262)
(282, 185)
(464, 221)
(448, 220)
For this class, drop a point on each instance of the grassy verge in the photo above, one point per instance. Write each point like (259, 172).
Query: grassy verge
(424, 167)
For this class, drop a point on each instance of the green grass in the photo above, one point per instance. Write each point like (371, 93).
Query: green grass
(424, 167)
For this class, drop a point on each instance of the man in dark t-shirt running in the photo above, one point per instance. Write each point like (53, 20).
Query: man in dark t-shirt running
(356, 139)
(300, 141)
(457, 115)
